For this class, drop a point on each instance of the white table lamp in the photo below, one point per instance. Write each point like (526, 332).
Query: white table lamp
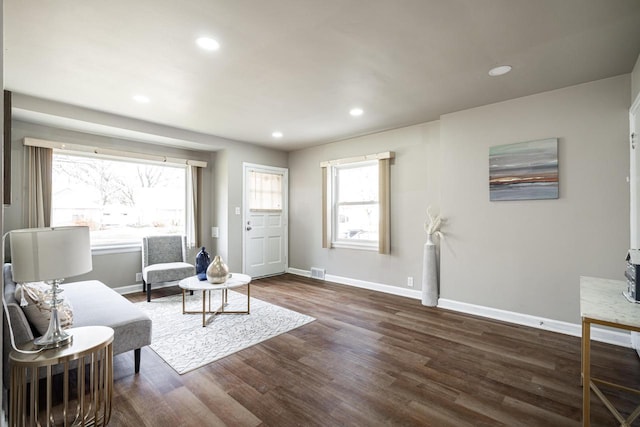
(50, 255)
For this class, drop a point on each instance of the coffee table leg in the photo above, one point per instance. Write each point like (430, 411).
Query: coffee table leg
(183, 307)
(248, 297)
(204, 311)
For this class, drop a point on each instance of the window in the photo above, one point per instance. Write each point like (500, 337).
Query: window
(356, 212)
(356, 203)
(265, 191)
(121, 200)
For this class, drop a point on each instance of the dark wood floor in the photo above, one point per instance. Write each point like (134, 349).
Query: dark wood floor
(374, 359)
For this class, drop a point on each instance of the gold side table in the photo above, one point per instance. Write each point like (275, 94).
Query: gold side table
(83, 395)
(602, 303)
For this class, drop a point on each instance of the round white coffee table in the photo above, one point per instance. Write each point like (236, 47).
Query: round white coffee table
(234, 280)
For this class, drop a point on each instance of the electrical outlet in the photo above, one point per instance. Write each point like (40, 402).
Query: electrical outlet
(215, 232)
(138, 277)
(410, 282)
(237, 210)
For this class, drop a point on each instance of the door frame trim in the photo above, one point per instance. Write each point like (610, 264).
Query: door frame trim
(285, 209)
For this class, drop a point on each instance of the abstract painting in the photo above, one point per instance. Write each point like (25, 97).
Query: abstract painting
(524, 170)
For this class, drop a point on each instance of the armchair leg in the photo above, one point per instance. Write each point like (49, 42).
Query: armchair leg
(148, 292)
(136, 360)
(144, 285)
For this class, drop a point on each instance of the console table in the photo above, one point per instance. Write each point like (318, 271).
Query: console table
(84, 395)
(602, 303)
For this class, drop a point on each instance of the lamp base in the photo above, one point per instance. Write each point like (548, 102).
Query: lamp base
(54, 337)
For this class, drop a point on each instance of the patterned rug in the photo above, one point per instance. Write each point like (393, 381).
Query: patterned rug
(185, 345)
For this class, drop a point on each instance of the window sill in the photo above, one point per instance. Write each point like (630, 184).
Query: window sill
(116, 249)
(357, 246)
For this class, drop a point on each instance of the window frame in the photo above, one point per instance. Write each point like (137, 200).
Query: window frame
(336, 241)
(126, 246)
(384, 197)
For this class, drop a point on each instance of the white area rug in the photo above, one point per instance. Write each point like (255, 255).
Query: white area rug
(185, 345)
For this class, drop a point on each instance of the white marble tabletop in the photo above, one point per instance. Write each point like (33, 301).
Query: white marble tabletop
(602, 299)
(233, 281)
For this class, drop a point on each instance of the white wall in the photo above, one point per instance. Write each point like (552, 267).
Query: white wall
(527, 256)
(414, 185)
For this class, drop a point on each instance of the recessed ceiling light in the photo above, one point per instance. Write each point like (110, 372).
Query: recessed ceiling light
(207, 43)
(499, 70)
(141, 99)
(277, 134)
(356, 112)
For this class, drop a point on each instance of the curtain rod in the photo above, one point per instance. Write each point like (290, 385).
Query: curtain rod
(34, 142)
(377, 156)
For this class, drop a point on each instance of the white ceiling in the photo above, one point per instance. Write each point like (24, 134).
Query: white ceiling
(299, 66)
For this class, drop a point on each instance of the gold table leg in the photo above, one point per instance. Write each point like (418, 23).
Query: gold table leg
(204, 308)
(586, 372)
(224, 300)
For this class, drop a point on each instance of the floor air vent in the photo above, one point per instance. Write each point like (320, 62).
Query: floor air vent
(317, 273)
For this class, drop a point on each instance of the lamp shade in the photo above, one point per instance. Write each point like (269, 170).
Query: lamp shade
(50, 253)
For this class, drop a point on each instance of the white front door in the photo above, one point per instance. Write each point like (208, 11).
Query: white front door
(265, 220)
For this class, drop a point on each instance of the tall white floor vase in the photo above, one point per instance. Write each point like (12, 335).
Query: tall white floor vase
(429, 274)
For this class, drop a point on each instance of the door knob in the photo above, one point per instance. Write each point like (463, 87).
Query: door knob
(248, 228)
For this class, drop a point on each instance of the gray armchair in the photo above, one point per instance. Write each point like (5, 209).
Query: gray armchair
(164, 260)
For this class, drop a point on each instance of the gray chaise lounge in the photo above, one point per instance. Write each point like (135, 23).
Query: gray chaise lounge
(94, 304)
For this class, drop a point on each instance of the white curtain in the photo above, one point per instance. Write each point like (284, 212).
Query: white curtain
(194, 184)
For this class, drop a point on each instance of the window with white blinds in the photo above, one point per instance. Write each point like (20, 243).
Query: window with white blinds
(265, 191)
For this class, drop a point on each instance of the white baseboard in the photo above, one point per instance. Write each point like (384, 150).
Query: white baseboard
(597, 334)
(387, 289)
(298, 272)
(130, 289)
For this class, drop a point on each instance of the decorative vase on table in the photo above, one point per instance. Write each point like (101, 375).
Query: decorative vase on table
(202, 263)
(217, 271)
(429, 274)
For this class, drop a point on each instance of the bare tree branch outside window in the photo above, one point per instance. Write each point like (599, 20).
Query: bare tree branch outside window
(117, 197)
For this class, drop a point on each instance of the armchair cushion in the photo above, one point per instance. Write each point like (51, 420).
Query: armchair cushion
(167, 272)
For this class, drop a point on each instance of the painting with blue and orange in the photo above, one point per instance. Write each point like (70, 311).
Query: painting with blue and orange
(524, 170)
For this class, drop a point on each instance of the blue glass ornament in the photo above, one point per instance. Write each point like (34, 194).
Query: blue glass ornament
(202, 262)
